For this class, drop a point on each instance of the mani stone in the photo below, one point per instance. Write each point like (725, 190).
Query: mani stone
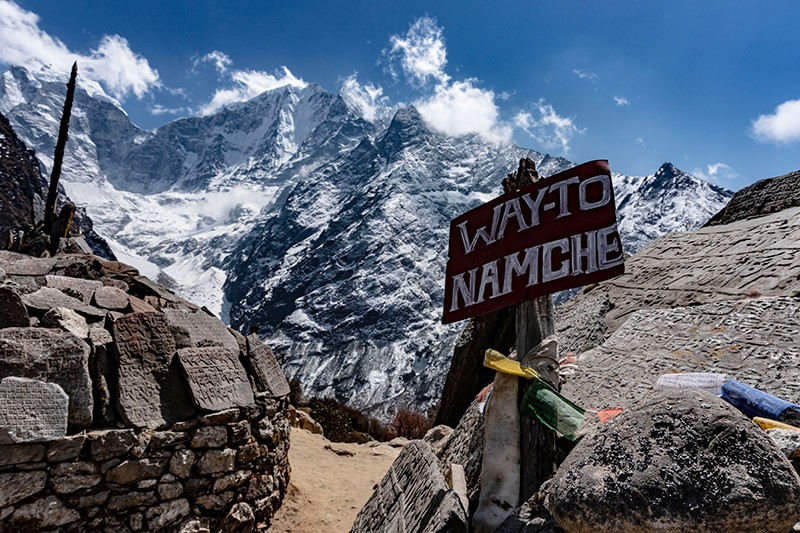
(216, 378)
(47, 298)
(754, 340)
(111, 298)
(412, 496)
(66, 320)
(266, 371)
(54, 357)
(12, 311)
(83, 289)
(31, 411)
(23, 265)
(152, 392)
(681, 460)
(198, 329)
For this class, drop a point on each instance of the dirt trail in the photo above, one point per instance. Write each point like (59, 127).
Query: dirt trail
(327, 489)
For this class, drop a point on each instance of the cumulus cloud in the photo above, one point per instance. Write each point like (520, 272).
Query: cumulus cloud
(421, 52)
(782, 126)
(715, 173)
(368, 100)
(622, 101)
(460, 108)
(112, 63)
(452, 107)
(245, 84)
(585, 75)
(550, 129)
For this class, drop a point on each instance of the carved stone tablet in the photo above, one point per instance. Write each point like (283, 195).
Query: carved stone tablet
(267, 373)
(152, 392)
(32, 411)
(754, 341)
(12, 310)
(75, 287)
(216, 378)
(22, 265)
(47, 297)
(51, 356)
(202, 329)
(111, 298)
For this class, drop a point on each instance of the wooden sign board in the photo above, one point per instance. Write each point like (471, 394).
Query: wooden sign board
(558, 233)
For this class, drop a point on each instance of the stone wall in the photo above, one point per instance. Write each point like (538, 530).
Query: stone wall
(217, 471)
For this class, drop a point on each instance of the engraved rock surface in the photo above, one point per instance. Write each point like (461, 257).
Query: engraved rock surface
(80, 288)
(761, 198)
(152, 393)
(53, 357)
(202, 329)
(66, 320)
(32, 411)
(412, 496)
(12, 311)
(111, 298)
(681, 460)
(755, 341)
(739, 260)
(267, 373)
(217, 380)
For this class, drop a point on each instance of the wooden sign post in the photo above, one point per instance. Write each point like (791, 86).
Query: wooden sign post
(539, 237)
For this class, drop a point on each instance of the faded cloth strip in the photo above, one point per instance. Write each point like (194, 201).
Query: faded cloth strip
(766, 423)
(500, 363)
(551, 409)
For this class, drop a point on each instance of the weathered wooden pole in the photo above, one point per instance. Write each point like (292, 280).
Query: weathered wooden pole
(58, 157)
(534, 323)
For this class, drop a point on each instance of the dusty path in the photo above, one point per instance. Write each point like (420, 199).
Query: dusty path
(327, 490)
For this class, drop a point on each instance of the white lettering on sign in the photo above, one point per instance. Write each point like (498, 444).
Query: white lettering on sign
(528, 215)
(579, 254)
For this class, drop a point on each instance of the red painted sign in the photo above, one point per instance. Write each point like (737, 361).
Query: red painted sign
(558, 233)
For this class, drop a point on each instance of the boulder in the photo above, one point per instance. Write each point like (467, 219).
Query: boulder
(761, 198)
(66, 320)
(47, 298)
(111, 298)
(12, 311)
(79, 288)
(302, 420)
(412, 496)
(264, 368)
(465, 447)
(200, 330)
(682, 461)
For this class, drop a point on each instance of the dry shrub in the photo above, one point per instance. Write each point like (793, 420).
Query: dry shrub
(342, 423)
(409, 424)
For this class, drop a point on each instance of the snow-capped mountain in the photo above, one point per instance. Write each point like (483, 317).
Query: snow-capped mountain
(328, 231)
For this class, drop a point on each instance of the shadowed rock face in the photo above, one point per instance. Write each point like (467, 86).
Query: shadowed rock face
(682, 460)
(761, 198)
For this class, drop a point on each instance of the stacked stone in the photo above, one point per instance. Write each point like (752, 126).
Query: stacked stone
(126, 408)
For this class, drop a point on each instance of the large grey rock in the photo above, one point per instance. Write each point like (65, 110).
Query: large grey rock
(79, 288)
(12, 311)
(761, 198)
(217, 380)
(111, 298)
(735, 261)
(412, 496)
(24, 265)
(17, 486)
(754, 340)
(54, 357)
(200, 329)
(152, 391)
(32, 411)
(683, 461)
(66, 320)
(267, 373)
(465, 448)
(47, 298)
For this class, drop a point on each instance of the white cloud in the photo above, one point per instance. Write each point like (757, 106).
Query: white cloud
(221, 60)
(112, 63)
(549, 128)
(460, 108)
(782, 126)
(247, 84)
(158, 109)
(422, 52)
(368, 99)
(585, 75)
(640, 141)
(716, 173)
(621, 101)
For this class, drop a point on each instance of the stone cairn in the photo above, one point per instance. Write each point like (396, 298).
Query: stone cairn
(126, 408)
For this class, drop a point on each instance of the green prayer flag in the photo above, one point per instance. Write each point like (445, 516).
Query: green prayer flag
(545, 404)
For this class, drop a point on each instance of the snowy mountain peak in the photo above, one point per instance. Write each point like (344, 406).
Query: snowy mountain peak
(407, 127)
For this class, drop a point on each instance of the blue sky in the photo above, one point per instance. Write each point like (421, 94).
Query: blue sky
(713, 87)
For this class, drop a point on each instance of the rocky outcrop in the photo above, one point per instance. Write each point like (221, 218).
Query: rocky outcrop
(683, 461)
(761, 198)
(124, 407)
